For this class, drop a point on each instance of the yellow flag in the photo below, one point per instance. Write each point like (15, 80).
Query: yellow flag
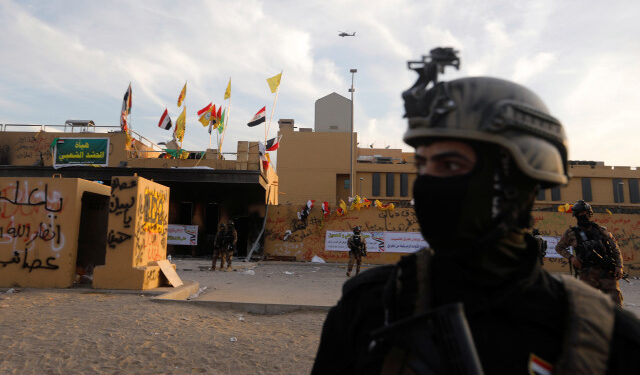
(227, 93)
(180, 125)
(343, 205)
(183, 93)
(274, 82)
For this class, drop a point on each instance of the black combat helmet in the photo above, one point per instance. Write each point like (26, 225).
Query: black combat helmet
(581, 206)
(488, 110)
(356, 229)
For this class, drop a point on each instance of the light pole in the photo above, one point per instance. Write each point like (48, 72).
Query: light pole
(351, 90)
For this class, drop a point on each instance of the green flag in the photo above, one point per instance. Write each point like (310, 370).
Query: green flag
(222, 122)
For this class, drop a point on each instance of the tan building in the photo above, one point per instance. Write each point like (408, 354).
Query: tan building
(315, 165)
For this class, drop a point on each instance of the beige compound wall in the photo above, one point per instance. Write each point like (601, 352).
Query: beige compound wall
(304, 243)
(39, 224)
(136, 235)
(30, 148)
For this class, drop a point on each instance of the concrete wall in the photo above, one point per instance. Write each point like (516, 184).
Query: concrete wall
(303, 244)
(333, 114)
(33, 148)
(136, 235)
(39, 223)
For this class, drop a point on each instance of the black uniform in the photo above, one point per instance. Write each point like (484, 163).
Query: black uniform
(510, 318)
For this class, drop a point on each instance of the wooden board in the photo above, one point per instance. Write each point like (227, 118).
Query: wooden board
(170, 273)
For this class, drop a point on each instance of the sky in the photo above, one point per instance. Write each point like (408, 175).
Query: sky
(74, 60)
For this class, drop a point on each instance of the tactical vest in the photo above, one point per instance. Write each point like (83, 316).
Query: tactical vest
(594, 234)
(587, 336)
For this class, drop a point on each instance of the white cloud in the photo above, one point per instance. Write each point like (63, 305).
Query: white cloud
(526, 67)
(75, 60)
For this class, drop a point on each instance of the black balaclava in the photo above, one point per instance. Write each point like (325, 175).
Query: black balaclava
(584, 220)
(465, 213)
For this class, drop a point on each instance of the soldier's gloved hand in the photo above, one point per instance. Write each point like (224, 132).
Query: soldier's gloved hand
(618, 273)
(576, 262)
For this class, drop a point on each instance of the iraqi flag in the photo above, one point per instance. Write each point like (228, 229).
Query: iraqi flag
(165, 120)
(258, 118)
(273, 144)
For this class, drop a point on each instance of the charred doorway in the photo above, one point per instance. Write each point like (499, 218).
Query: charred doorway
(92, 237)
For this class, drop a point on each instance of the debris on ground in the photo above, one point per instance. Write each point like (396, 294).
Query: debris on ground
(249, 272)
(197, 294)
(317, 259)
(288, 273)
(233, 339)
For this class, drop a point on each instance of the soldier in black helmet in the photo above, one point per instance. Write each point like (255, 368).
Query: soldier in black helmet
(484, 147)
(218, 248)
(596, 254)
(230, 241)
(357, 249)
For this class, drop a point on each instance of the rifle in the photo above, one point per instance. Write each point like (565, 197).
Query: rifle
(438, 341)
(605, 260)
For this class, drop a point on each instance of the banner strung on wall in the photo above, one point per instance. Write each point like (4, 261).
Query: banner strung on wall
(401, 242)
(81, 151)
(182, 235)
(378, 242)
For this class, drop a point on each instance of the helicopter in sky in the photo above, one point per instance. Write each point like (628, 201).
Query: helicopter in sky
(343, 34)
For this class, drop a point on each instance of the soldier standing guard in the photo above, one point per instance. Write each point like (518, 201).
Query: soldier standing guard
(597, 256)
(230, 241)
(357, 249)
(478, 300)
(218, 248)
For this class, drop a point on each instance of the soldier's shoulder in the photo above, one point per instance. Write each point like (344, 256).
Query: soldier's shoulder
(373, 278)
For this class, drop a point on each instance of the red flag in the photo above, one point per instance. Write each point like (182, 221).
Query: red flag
(325, 209)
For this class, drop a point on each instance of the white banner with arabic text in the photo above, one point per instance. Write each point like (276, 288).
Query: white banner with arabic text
(378, 242)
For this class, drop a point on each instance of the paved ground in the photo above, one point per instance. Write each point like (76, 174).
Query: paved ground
(296, 283)
(267, 282)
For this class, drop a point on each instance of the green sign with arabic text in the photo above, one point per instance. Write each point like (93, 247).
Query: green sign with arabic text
(81, 151)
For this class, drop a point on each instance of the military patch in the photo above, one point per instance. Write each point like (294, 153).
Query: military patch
(538, 366)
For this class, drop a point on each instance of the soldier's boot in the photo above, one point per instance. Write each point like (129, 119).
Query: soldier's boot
(221, 262)
(349, 266)
(229, 256)
(358, 265)
(213, 264)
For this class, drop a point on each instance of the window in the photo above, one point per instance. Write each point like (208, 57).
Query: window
(555, 194)
(346, 184)
(375, 185)
(333, 127)
(185, 213)
(618, 190)
(634, 193)
(541, 195)
(390, 185)
(404, 185)
(586, 189)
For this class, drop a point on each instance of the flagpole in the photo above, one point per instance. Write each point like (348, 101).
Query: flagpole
(266, 131)
(227, 116)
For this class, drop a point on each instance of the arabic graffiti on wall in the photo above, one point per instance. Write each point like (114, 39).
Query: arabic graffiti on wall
(285, 237)
(152, 222)
(31, 231)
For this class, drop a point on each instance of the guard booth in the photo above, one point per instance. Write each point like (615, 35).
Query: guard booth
(51, 230)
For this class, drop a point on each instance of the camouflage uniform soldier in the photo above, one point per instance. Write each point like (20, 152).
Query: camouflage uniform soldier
(357, 249)
(218, 247)
(230, 241)
(597, 256)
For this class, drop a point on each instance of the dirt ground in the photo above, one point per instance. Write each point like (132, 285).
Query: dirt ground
(84, 331)
(72, 332)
